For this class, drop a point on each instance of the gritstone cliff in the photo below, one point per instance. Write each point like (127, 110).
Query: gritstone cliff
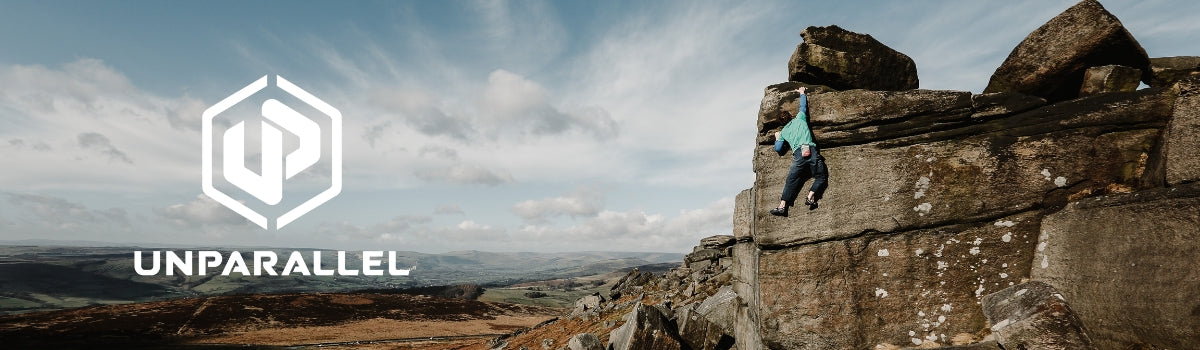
(1059, 209)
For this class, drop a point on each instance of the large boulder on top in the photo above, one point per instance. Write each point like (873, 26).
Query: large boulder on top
(1051, 61)
(847, 60)
(1166, 71)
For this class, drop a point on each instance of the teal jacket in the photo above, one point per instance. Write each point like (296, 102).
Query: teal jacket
(796, 132)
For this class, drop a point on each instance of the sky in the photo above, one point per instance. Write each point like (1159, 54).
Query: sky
(467, 125)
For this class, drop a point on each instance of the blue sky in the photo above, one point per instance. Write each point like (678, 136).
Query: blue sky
(504, 126)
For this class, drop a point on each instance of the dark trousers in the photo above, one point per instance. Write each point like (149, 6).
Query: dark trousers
(802, 169)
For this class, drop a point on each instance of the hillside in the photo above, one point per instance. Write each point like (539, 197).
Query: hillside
(294, 320)
(39, 278)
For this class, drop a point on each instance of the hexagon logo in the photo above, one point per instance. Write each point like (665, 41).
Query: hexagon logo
(267, 185)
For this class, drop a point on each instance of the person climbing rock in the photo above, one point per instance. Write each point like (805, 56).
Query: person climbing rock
(806, 160)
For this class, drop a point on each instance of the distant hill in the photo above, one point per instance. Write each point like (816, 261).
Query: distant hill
(57, 276)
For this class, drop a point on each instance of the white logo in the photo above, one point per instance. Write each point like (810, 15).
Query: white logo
(268, 187)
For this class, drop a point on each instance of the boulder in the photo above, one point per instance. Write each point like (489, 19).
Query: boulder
(720, 309)
(1166, 71)
(585, 341)
(1033, 315)
(1110, 78)
(699, 333)
(914, 288)
(703, 255)
(1051, 61)
(644, 329)
(632, 281)
(986, 170)
(717, 242)
(1125, 262)
(847, 60)
(1182, 136)
(587, 304)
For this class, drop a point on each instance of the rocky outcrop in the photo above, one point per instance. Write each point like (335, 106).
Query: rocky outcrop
(937, 198)
(1125, 262)
(1166, 71)
(1110, 78)
(1034, 316)
(847, 60)
(952, 218)
(1051, 61)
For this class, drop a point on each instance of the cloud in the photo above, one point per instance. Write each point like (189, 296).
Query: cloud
(91, 116)
(99, 143)
(582, 203)
(419, 110)
(635, 229)
(439, 152)
(56, 214)
(516, 104)
(375, 131)
(201, 212)
(463, 174)
(20, 144)
(448, 209)
(393, 228)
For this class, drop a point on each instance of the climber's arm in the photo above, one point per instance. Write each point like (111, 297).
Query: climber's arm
(802, 111)
(779, 148)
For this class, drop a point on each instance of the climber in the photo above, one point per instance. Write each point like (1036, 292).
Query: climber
(806, 160)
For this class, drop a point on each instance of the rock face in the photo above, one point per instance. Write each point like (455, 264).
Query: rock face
(1034, 316)
(952, 218)
(1182, 145)
(1126, 264)
(1166, 71)
(1110, 78)
(1051, 61)
(847, 60)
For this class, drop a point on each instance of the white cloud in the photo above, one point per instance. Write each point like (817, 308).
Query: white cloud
(395, 228)
(636, 229)
(51, 214)
(96, 123)
(464, 174)
(99, 143)
(438, 152)
(201, 212)
(448, 209)
(520, 107)
(584, 203)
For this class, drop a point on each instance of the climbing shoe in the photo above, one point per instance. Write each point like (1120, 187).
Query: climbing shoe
(779, 211)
